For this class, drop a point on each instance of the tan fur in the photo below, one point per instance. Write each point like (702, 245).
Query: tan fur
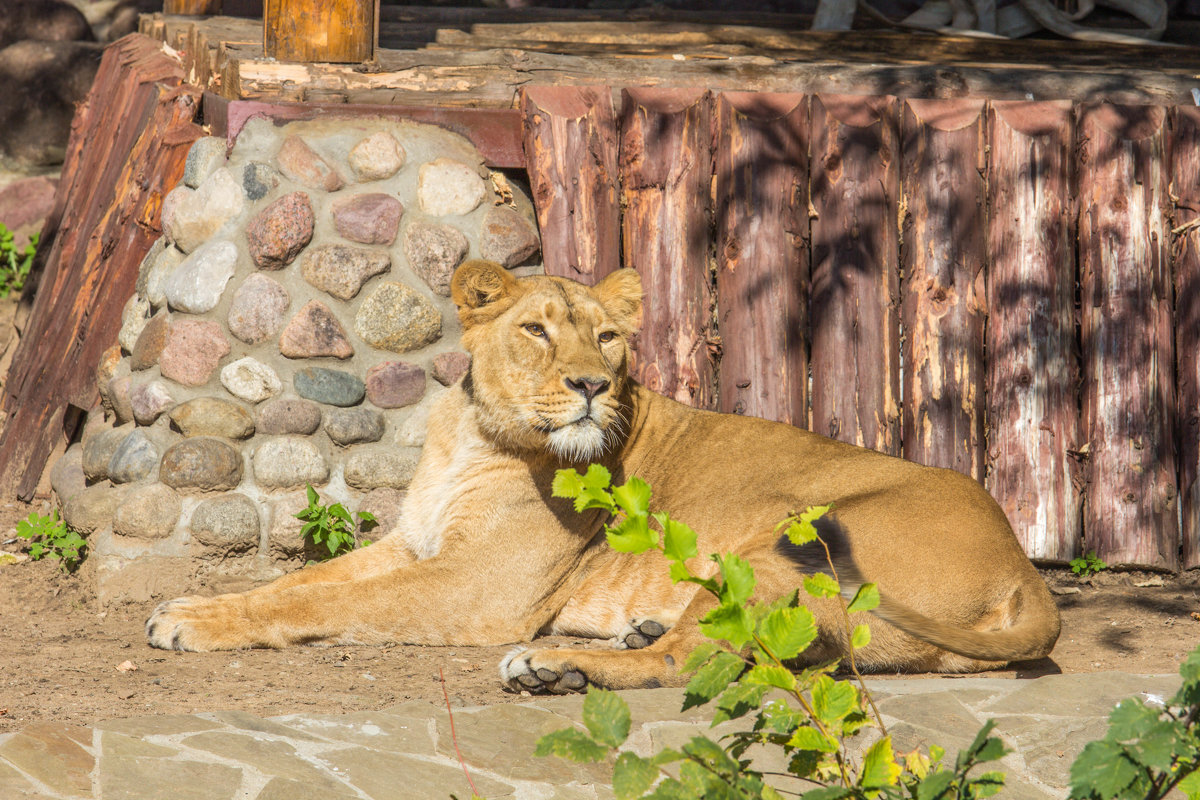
(484, 555)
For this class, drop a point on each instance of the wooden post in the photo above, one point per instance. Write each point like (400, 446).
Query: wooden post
(943, 253)
(192, 8)
(1032, 374)
(571, 153)
(762, 254)
(1185, 180)
(666, 171)
(1128, 340)
(855, 267)
(343, 31)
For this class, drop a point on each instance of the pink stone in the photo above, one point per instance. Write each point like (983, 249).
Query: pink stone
(298, 161)
(280, 231)
(256, 312)
(368, 218)
(394, 384)
(315, 332)
(193, 350)
(449, 367)
(507, 237)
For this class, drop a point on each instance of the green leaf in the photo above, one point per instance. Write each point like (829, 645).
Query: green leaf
(700, 656)
(770, 675)
(728, 622)
(786, 632)
(1189, 692)
(935, 786)
(738, 700)
(826, 793)
(1130, 719)
(572, 744)
(633, 497)
(987, 784)
(596, 477)
(807, 737)
(865, 599)
(861, 637)
(879, 767)
(606, 716)
(314, 499)
(679, 541)
(705, 749)
(1103, 769)
(567, 484)
(985, 747)
(833, 700)
(632, 776)
(802, 531)
(631, 535)
(679, 572)
(821, 585)
(711, 679)
(1190, 785)
(738, 575)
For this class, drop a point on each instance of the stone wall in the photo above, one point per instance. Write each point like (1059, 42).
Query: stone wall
(292, 327)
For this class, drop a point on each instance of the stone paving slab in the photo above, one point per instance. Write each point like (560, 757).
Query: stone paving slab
(406, 751)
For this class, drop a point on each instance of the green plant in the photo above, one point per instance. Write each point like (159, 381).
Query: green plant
(332, 525)
(14, 263)
(49, 537)
(751, 648)
(1087, 564)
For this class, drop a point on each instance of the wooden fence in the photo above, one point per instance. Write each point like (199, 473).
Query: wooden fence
(1009, 289)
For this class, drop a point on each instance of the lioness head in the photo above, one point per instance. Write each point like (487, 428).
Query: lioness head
(549, 356)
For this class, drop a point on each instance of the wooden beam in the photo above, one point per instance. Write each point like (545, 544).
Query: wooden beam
(338, 31)
(1185, 185)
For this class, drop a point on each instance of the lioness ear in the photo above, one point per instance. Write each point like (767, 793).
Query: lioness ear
(621, 295)
(478, 289)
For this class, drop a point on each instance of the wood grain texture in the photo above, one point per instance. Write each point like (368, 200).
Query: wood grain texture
(1185, 189)
(855, 268)
(1032, 371)
(943, 311)
(336, 31)
(761, 154)
(1130, 512)
(665, 165)
(571, 157)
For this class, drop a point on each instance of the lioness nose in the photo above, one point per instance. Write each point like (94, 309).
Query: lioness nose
(588, 387)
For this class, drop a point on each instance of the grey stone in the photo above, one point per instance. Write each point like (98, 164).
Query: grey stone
(134, 459)
(126, 778)
(285, 415)
(280, 231)
(212, 416)
(149, 401)
(377, 157)
(434, 251)
(156, 276)
(66, 476)
(150, 342)
(256, 312)
(411, 431)
(386, 505)
(115, 396)
(201, 463)
(227, 524)
(371, 218)
(1079, 691)
(133, 320)
(283, 535)
(205, 157)
(396, 318)
(148, 512)
(288, 462)
(330, 386)
(93, 508)
(378, 467)
(156, 249)
(315, 333)
(379, 774)
(192, 351)
(448, 368)
(191, 217)
(266, 756)
(197, 284)
(347, 426)
(341, 270)
(298, 161)
(98, 450)
(446, 187)
(507, 237)
(258, 179)
(250, 380)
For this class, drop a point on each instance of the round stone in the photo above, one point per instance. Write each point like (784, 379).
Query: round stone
(98, 450)
(285, 415)
(395, 384)
(227, 524)
(448, 368)
(66, 476)
(377, 157)
(134, 459)
(115, 397)
(280, 231)
(341, 270)
(212, 416)
(192, 351)
(133, 322)
(258, 179)
(368, 218)
(346, 426)
(385, 504)
(156, 277)
(375, 467)
(396, 318)
(192, 216)
(257, 309)
(157, 249)
(446, 186)
(93, 508)
(250, 380)
(411, 432)
(111, 364)
(434, 251)
(330, 386)
(150, 342)
(196, 285)
(205, 157)
(149, 401)
(206, 464)
(507, 237)
(288, 462)
(283, 535)
(314, 333)
(148, 512)
(298, 161)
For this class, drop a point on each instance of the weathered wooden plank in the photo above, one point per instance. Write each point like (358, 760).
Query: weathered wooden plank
(943, 309)
(665, 164)
(761, 153)
(571, 152)
(1130, 516)
(1032, 370)
(855, 268)
(340, 31)
(1185, 191)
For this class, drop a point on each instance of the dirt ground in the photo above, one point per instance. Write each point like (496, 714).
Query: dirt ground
(64, 659)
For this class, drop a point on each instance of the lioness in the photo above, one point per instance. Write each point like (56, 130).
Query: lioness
(485, 555)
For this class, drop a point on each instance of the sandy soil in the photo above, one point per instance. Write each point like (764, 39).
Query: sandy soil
(62, 656)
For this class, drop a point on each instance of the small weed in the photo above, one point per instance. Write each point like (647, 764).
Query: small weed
(332, 526)
(14, 263)
(49, 537)
(1087, 564)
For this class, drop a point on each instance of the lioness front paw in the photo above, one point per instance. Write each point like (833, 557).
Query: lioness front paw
(519, 672)
(640, 632)
(195, 623)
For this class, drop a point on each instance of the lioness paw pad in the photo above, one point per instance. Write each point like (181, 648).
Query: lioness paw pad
(641, 632)
(518, 673)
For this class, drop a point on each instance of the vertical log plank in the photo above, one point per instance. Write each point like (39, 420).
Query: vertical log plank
(855, 255)
(943, 253)
(344, 31)
(1032, 372)
(1128, 347)
(762, 255)
(571, 155)
(1185, 189)
(666, 170)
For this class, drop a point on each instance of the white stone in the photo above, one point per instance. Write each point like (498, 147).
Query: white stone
(149, 401)
(376, 157)
(250, 380)
(133, 320)
(288, 462)
(446, 186)
(196, 285)
(195, 215)
(156, 276)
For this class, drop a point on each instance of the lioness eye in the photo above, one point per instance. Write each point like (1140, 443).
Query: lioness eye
(534, 329)
(606, 337)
